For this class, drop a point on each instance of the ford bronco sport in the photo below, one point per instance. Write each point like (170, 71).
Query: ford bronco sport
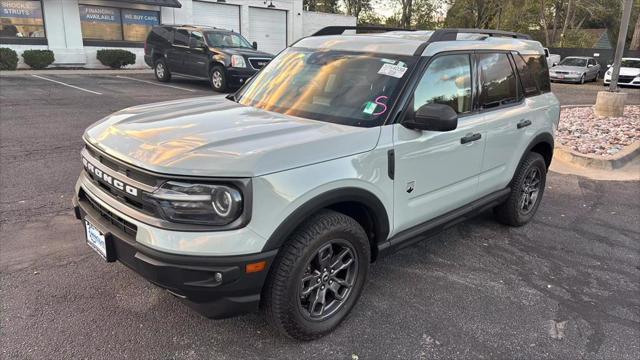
(343, 148)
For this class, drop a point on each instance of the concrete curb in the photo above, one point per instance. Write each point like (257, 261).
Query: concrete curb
(74, 72)
(617, 161)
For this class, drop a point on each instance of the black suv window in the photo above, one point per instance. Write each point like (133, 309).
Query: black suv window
(196, 40)
(181, 37)
(497, 80)
(526, 77)
(446, 81)
(537, 64)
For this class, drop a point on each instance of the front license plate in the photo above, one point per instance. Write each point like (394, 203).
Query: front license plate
(96, 239)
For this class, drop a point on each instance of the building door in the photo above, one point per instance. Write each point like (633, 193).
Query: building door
(222, 16)
(268, 27)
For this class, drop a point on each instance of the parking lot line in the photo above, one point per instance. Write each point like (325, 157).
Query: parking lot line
(69, 85)
(155, 83)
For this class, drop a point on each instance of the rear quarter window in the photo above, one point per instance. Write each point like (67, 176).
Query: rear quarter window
(529, 85)
(537, 65)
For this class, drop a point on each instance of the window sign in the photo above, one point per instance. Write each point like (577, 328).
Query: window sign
(20, 18)
(101, 23)
(138, 23)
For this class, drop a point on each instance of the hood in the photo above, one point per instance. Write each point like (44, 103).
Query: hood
(628, 71)
(214, 136)
(568, 68)
(246, 52)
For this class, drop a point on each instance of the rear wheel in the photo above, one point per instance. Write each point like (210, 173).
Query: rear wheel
(161, 71)
(527, 188)
(317, 277)
(218, 79)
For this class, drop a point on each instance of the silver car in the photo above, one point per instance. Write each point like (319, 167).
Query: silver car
(576, 69)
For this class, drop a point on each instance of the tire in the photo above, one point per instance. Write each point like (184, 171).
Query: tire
(218, 79)
(298, 268)
(161, 71)
(582, 79)
(513, 212)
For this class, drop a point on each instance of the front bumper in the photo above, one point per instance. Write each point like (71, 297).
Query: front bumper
(192, 278)
(565, 78)
(624, 81)
(237, 77)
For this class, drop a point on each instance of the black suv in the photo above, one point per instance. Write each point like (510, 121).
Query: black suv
(223, 57)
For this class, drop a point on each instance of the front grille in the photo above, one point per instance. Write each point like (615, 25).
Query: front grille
(122, 168)
(258, 63)
(115, 220)
(625, 79)
(562, 72)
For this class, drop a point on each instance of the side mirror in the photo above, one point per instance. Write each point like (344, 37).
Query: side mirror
(608, 66)
(589, 65)
(434, 117)
(554, 64)
(254, 45)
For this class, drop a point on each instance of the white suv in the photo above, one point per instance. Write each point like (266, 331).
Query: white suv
(342, 148)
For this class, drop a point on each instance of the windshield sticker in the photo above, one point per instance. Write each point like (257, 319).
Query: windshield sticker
(369, 107)
(392, 70)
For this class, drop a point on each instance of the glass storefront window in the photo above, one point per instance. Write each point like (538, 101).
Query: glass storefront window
(138, 23)
(108, 23)
(21, 18)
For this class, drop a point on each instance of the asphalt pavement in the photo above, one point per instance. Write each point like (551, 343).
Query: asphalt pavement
(566, 286)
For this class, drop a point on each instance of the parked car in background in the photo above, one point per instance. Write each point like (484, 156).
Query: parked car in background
(629, 73)
(577, 69)
(223, 57)
(552, 59)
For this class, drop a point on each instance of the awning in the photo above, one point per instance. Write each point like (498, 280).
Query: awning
(167, 3)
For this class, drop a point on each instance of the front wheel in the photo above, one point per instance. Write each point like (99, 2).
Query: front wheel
(582, 79)
(218, 79)
(317, 277)
(527, 188)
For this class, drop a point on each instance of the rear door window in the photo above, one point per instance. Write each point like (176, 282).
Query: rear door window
(181, 37)
(498, 83)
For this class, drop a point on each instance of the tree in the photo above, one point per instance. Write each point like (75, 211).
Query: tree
(356, 7)
(406, 8)
(635, 39)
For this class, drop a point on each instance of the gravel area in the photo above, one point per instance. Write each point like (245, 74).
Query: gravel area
(584, 132)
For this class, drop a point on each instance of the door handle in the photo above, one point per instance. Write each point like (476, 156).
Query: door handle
(469, 138)
(523, 123)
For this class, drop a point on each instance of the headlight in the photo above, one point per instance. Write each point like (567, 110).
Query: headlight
(575, 73)
(238, 61)
(202, 204)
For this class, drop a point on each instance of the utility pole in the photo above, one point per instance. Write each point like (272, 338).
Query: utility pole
(622, 37)
(611, 102)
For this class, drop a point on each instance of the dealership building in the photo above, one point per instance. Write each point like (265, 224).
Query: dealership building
(76, 29)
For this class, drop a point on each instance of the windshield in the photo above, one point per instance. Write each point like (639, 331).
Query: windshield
(341, 87)
(226, 40)
(630, 63)
(574, 62)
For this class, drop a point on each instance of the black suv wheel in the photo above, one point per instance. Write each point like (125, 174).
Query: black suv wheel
(318, 276)
(527, 188)
(161, 70)
(218, 79)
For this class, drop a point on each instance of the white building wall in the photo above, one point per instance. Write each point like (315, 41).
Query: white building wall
(64, 35)
(314, 21)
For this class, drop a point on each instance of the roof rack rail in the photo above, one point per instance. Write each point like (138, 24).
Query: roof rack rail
(339, 30)
(451, 34)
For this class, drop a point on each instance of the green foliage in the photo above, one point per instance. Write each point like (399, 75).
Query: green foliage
(326, 6)
(8, 59)
(38, 59)
(116, 58)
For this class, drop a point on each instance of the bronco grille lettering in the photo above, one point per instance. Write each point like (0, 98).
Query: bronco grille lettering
(106, 178)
